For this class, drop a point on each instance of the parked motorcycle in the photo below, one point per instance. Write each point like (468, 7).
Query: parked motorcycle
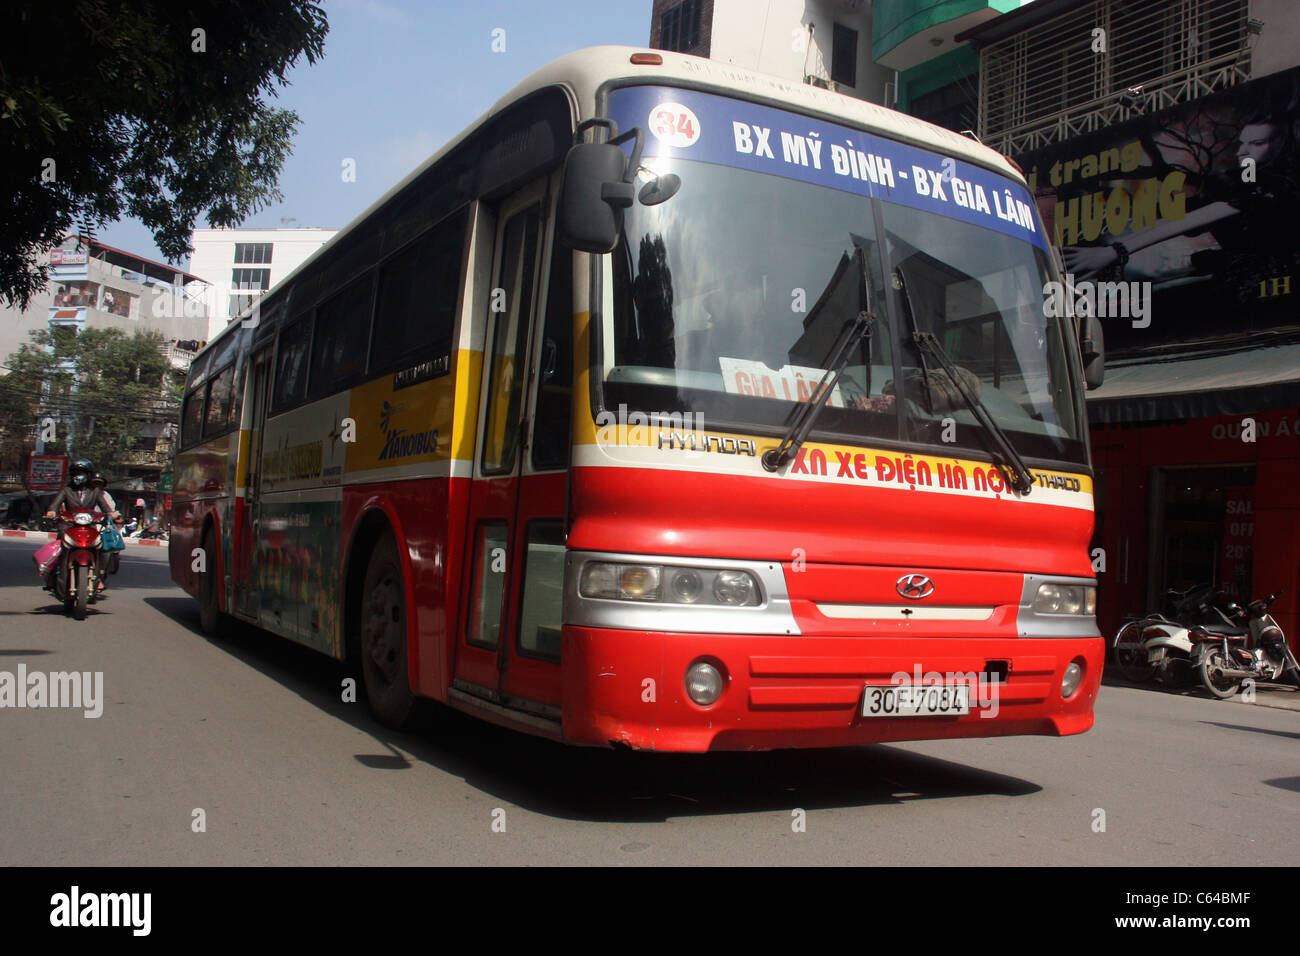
(75, 574)
(1226, 658)
(1159, 645)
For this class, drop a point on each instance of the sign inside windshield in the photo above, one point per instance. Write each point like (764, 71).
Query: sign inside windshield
(793, 383)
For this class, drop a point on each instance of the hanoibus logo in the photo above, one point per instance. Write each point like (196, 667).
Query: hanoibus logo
(399, 443)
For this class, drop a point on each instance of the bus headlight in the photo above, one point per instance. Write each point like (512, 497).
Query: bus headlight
(685, 585)
(1065, 599)
(624, 582)
(735, 587)
(668, 584)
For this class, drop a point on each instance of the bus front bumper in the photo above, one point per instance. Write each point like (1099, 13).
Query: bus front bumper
(627, 688)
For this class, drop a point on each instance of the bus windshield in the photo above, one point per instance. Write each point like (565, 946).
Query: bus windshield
(727, 301)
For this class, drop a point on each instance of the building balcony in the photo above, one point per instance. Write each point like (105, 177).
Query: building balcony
(907, 33)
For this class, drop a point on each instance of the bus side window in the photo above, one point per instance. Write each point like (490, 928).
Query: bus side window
(192, 419)
(555, 368)
(541, 616)
(489, 595)
(291, 366)
(509, 336)
(221, 395)
(418, 290)
(339, 351)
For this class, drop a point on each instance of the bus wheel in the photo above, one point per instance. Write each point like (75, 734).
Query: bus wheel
(383, 637)
(211, 619)
(83, 592)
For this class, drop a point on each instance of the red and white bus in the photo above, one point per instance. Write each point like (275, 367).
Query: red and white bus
(746, 430)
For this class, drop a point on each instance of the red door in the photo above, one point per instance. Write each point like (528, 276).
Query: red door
(509, 646)
(247, 509)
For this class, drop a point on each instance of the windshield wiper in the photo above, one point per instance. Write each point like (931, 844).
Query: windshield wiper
(854, 331)
(1005, 455)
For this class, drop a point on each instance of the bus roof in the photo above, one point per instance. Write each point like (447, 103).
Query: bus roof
(583, 72)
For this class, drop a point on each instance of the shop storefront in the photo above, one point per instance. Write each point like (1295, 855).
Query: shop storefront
(1180, 503)
(1182, 225)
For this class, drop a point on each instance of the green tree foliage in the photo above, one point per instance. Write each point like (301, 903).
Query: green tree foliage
(112, 108)
(102, 385)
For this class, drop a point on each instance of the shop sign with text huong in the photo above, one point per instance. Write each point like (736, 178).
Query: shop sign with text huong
(1203, 200)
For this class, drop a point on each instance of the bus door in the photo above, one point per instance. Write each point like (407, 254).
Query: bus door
(246, 587)
(508, 649)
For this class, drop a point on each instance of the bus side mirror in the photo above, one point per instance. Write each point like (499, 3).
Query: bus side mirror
(598, 186)
(1092, 347)
(594, 196)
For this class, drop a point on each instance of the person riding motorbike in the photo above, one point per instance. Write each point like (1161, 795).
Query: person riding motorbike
(100, 482)
(81, 492)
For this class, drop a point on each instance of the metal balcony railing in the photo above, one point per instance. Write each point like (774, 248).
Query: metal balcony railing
(1102, 62)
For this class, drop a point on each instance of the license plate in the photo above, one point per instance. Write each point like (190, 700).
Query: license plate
(1156, 655)
(915, 700)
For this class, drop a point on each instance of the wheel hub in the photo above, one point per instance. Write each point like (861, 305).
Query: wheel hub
(383, 613)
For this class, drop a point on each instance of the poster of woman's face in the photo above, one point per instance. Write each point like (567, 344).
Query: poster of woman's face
(1200, 201)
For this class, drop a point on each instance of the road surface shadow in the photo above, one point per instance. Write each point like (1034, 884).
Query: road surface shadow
(133, 573)
(1279, 694)
(595, 784)
(1253, 730)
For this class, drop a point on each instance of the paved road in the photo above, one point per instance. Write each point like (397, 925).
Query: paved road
(252, 731)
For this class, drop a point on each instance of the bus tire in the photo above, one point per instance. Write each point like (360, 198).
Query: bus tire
(211, 619)
(382, 621)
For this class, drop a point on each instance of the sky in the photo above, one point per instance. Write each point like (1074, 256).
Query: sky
(398, 80)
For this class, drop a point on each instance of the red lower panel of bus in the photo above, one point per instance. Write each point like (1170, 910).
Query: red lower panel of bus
(809, 691)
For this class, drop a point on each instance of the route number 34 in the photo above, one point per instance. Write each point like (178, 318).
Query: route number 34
(674, 125)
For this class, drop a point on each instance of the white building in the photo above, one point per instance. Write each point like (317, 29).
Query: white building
(97, 286)
(823, 42)
(240, 264)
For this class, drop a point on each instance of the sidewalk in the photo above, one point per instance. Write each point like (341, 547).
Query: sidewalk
(49, 536)
(1273, 696)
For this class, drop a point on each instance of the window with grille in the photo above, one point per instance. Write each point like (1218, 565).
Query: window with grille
(1093, 65)
(679, 27)
(252, 253)
(245, 286)
(844, 55)
(954, 107)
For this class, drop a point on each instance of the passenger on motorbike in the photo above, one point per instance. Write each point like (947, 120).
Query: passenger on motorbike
(81, 492)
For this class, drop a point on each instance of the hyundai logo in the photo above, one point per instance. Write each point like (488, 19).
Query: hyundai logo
(914, 586)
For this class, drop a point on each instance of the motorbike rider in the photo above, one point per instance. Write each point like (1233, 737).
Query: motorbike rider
(100, 482)
(81, 492)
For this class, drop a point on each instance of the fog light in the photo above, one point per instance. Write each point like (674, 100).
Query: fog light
(703, 683)
(1073, 677)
